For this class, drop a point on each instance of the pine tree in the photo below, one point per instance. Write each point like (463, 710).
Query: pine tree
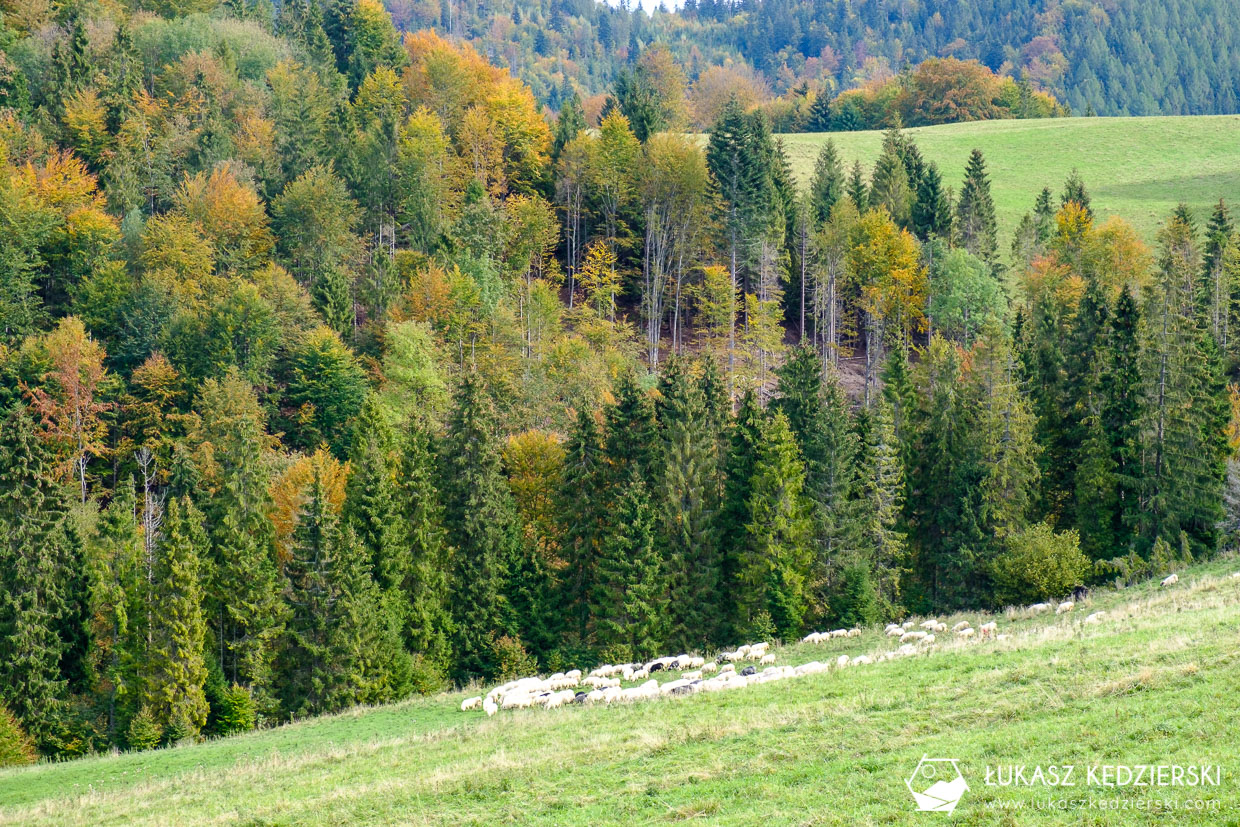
(1096, 494)
(631, 433)
(931, 213)
(1217, 291)
(629, 603)
(481, 520)
(819, 119)
(776, 561)
(372, 502)
(33, 549)
(827, 186)
(424, 591)
(975, 211)
(174, 671)
(570, 124)
(744, 437)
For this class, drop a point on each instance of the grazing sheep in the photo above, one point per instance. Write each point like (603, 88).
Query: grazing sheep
(854, 633)
(1095, 617)
(861, 660)
(928, 639)
(741, 651)
(1065, 607)
(907, 649)
(890, 627)
(929, 625)
(573, 673)
(1038, 608)
(1171, 580)
(554, 700)
(747, 671)
(518, 701)
(691, 676)
(765, 659)
(727, 668)
(594, 697)
(907, 636)
(839, 633)
(708, 668)
(489, 707)
(895, 632)
(988, 629)
(471, 703)
(580, 697)
(964, 624)
(841, 661)
(906, 625)
(965, 633)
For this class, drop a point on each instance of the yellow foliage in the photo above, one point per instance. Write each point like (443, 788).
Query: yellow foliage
(288, 494)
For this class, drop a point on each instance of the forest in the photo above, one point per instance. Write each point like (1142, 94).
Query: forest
(1110, 57)
(333, 370)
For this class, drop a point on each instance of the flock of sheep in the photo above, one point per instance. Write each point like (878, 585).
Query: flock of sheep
(604, 684)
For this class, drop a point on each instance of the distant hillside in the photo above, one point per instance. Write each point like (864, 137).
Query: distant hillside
(1118, 57)
(1136, 168)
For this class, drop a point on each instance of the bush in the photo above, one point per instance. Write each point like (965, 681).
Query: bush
(144, 731)
(1038, 564)
(425, 676)
(15, 745)
(511, 659)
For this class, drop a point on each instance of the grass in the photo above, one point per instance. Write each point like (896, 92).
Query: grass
(1154, 683)
(1136, 168)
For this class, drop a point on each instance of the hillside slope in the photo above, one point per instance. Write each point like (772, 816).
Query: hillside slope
(1153, 683)
(1136, 168)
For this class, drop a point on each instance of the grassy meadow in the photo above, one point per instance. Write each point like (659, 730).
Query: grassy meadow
(1154, 683)
(1136, 168)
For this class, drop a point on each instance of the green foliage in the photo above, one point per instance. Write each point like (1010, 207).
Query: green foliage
(856, 604)
(510, 659)
(144, 731)
(15, 746)
(1038, 564)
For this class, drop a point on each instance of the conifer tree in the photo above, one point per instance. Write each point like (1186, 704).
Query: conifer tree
(1120, 414)
(858, 191)
(584, 503)
(372, 502)
(931, 213)
(174, 671)
(1074, 192)
(1217, 294)
(744, 437)
(819, 119)
(889, 187)
(629, 602)
(426, 586)
(34, 544)
(775, 564)
(827, 186)
(686, 501)
(975, 211)
(570, 124)
(880, 506)
(480, 517)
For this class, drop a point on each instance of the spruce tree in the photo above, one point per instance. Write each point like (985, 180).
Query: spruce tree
(482, 527)
(744, 437)
(628, 600)
(1074, 192)
(372, 501)
(883, 544)
(819, 119)
(584, 506)
(174, 670)
(1120, 414)
(889, 187)
(975, 211)
(857, 189)
(931, 213)
(424, 590)
(570, 124)
(827, 186)
(775, 563)
(34, 541)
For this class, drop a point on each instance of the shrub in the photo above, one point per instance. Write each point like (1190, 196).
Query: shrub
(425, 676)
(1038, 564)
(236, 711)
(15, 745)
(857, 602)
(511, 659)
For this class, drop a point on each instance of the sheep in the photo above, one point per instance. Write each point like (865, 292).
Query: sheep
(556, 699)
(709, 668)
(1171, 580)
(839, 633)
(471, 703)
(671, 686)
(841, 661)
(812, 637)
(692, 676)
(906, 625)
(964, 624)
(965, 633)
(1095, 617)
(895, 632)
(573, 673)
(906, 650)
(988, 629)
(741, 651)
(747, 671)
(727, 668)
(928, 639)
(1038, 608)
(862, 660)
(640, 675)
(891, 627)
(517, 701)
(765, 659)
(907, 636)
(1065, 607)
(929, 625)
(489, 707)
(1235, 575)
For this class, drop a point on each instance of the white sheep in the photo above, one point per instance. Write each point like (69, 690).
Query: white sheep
(709, 668)
(841, 661)
(554, 700)
(471, 703)
(908, 624)
(1096, 617)
(1002, 637)
(1171, 580)
(839, 633)
(929, 625)
(965, 633)
(1065, 607)
(988, 629)
(854, 633)
(765, 659)
(488, 706)
(1038, 608)
(861, 660)
(928, 639)
(696, 675)
(727, 668)
(895, 631)
(964, 624)
(909, 636)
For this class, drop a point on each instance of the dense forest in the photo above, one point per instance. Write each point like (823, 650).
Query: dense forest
(331, 370)
(1125, 57)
